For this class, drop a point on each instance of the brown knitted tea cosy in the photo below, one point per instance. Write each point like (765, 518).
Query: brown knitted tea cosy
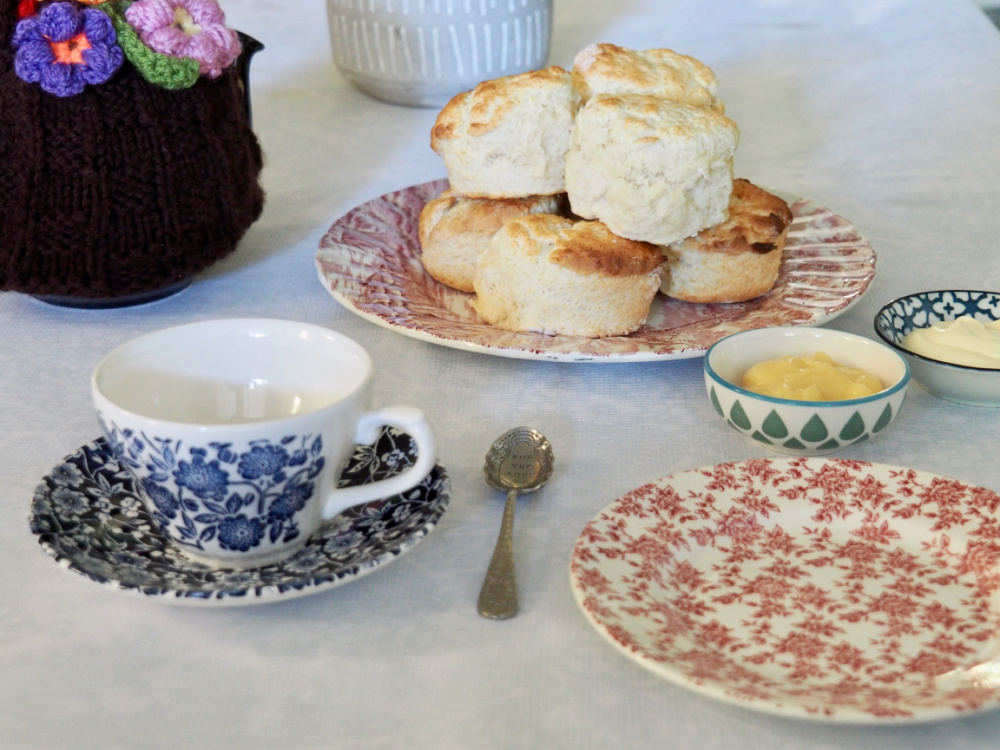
(111, 184)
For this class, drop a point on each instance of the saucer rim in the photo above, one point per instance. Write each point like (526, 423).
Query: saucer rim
(239, 596)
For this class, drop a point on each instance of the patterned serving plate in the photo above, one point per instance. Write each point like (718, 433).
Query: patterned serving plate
(87, 515)
(369, 260)
(825, 589)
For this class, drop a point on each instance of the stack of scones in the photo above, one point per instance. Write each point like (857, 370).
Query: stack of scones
(575, 197)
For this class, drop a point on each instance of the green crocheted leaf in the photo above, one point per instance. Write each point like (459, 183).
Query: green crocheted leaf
(161, 70)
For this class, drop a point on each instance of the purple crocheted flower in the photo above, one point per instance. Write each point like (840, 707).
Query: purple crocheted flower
(186, 28)
(64, 48)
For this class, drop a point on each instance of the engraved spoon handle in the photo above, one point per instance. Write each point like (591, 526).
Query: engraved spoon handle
(498, 597)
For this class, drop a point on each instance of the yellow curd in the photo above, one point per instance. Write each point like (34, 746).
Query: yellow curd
(963, 341)
(816, 378)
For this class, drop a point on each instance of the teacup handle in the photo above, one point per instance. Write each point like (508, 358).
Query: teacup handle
(411, 421)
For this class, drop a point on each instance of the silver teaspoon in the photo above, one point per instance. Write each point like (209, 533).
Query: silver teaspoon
(520, 460)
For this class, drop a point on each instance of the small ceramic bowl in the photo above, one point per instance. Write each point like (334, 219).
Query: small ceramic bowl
(976, 386)
(804, 428)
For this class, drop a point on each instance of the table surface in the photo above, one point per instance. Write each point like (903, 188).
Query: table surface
(887, 112)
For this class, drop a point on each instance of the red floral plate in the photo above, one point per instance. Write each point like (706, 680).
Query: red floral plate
(825, 589)
(369, 260)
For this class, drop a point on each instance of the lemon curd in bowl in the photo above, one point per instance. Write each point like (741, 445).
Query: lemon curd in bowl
(804, 427)
(815, 378)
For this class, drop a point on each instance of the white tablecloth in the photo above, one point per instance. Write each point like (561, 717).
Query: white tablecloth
(885, 111)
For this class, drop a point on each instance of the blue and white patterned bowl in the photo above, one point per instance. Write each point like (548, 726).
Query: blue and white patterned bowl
(976, 386)
(804, 428)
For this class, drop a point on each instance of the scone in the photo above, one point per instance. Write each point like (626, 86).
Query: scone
(651, 169)
(549, 274)
(508, 137)
(454, 231)
(736, 260)
(609, 69)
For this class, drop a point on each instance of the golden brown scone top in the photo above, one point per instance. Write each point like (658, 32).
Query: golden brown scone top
(584, 246)
(590, 247)
(757, 220)
(477, 214)
(484, 108)
(610, 69)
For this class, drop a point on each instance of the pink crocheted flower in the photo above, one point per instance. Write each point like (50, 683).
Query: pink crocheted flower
(186, 28)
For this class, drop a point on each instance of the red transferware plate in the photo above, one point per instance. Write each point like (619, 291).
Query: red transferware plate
(836, 590)
(369, 260)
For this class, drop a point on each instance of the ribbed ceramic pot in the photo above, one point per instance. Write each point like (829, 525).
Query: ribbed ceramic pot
(423, 52)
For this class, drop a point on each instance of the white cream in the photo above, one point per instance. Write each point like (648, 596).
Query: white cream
(963, 341)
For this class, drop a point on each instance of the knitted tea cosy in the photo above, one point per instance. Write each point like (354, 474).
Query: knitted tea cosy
(127, 162)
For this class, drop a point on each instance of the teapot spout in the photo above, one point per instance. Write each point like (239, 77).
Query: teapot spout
(251, 47)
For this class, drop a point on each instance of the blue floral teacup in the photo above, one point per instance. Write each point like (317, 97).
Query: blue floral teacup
(236, 432)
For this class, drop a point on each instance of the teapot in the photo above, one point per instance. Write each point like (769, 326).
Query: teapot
(121, 192)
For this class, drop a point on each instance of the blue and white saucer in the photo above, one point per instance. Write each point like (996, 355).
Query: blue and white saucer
(88, 517)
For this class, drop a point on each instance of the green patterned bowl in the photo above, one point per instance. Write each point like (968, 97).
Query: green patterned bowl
(804, 428)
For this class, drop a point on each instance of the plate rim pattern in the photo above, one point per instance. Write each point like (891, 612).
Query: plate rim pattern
(368, 260)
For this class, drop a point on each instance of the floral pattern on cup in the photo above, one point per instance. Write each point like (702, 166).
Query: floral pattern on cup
(212, 492)
(87, 514)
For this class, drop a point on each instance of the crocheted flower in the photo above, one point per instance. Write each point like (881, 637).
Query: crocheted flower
(171, 73)
(64, 48)
(187, 28)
